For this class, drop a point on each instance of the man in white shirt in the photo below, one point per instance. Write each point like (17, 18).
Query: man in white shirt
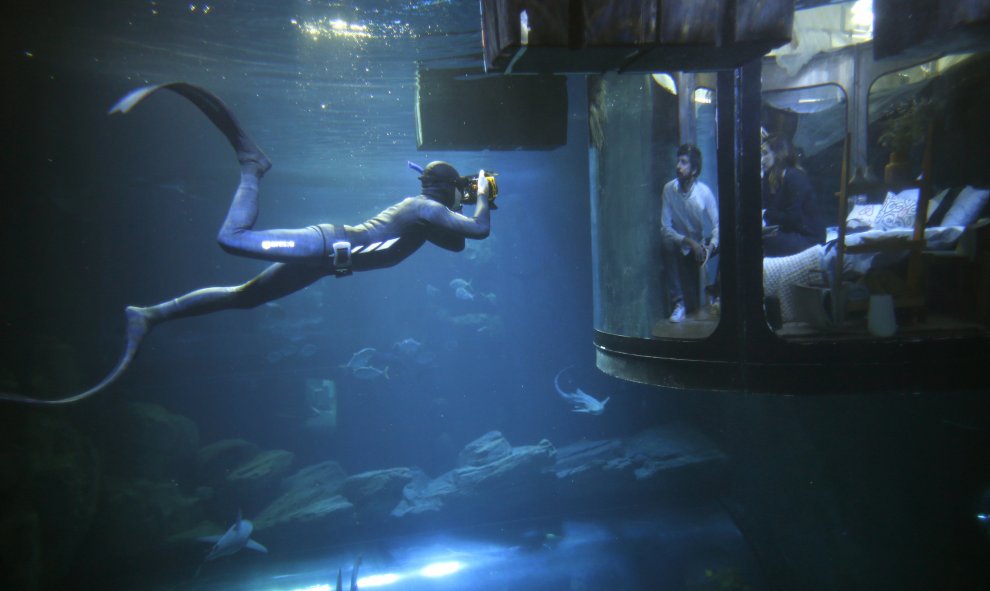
(688, 227)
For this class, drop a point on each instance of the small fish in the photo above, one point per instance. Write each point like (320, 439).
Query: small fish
(460, 283)
(408, 346)
(490, 297)
(464, 294)
(432, 290)
(582, 402)
(361, 358)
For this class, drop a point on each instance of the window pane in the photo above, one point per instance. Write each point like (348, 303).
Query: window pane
(656, 229)
(804, 134)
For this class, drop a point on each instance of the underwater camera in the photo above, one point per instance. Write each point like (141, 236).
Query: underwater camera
(470, 188)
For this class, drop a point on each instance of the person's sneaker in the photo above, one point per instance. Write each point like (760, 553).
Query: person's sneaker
(678, 314)
(716, 306)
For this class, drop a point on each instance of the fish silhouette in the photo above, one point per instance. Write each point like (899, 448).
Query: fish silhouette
(582, 401)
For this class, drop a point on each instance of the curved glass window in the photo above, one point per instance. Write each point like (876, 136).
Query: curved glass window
(890, 262)
(924, 248)
(804, 131)
(655, 204)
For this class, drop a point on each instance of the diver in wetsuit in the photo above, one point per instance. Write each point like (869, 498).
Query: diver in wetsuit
(301, 256)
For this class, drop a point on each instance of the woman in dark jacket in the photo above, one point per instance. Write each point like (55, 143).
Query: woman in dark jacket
(788, 201)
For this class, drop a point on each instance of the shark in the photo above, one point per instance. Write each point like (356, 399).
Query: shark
(582, 401)
(233, 541)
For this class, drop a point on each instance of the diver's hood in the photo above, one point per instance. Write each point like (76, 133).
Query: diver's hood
(437, 172)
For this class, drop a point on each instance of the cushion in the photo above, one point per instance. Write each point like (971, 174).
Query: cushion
(898, 210)
(967, 207)
(863, 216)
(934, 204)
(935, 216)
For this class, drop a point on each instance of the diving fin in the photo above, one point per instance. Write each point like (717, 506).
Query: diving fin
(215, 110)
(134, 97)
(247, 151)
(137, 329)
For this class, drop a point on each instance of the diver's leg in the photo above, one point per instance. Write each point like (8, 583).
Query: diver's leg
(276, 281)
(237, 235)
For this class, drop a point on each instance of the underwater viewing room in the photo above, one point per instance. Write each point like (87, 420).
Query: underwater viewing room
(578, 295)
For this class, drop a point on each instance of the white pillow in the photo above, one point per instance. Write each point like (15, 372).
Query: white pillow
(968, 204)
(863, 216)
(898, 210)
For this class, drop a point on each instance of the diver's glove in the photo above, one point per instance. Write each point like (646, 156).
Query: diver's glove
(483, 185)
(487, 186)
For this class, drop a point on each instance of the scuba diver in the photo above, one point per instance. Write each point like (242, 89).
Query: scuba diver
(302, 256)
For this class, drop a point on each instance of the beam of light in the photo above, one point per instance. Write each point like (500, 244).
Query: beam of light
(861, 18)
(377, 580)
(441, 569)
(327, 28)
(665, 81)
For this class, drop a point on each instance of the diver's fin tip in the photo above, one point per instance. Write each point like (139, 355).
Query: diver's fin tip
(137, 329)
(132, 98)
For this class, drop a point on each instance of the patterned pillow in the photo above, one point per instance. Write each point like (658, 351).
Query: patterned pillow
(897, 210)
(863, 216)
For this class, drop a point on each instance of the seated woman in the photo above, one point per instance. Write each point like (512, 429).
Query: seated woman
(788, 201)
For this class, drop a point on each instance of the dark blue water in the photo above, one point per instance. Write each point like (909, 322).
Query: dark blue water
(102, 212)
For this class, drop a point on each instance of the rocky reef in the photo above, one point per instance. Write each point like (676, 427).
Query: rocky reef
(491, 478)
(84, 503)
